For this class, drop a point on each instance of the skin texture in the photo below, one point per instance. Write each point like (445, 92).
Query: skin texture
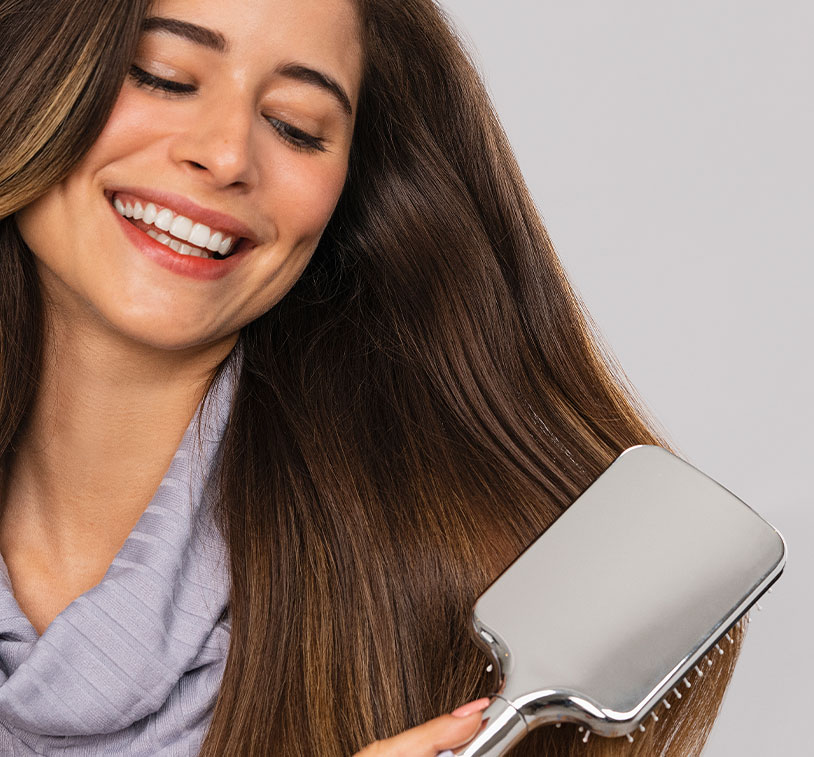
(130, 344)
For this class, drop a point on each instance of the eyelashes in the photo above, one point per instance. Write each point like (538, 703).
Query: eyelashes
(297, 138)
(145, 79)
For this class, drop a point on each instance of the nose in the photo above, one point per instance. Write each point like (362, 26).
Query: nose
(217, 145)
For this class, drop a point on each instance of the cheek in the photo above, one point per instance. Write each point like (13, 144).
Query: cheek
(129, 126)
(134, 123)
(48, 225)
(38, 223)
(307, 190)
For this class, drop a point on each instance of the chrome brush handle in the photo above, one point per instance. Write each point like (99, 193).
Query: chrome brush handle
(504, 727)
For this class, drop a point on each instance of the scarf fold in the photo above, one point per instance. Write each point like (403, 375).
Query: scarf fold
(132, 666)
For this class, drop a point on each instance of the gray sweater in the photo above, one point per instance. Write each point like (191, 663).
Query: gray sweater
(133, 666)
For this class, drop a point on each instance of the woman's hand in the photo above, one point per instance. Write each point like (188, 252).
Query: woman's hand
(434, 736)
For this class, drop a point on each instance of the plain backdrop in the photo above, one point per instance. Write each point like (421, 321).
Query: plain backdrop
(668, 146)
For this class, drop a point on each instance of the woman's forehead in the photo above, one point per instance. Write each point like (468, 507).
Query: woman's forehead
(268, 32)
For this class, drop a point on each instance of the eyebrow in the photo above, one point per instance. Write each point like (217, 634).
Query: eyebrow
(213, 40)
(298, 72)
(200, 35)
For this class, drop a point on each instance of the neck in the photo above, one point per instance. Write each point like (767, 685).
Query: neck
(107, 419)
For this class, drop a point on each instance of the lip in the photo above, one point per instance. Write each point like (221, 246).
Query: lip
(179, 204)
(203, 269)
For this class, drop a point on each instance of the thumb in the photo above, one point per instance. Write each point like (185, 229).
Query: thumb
(432, 737)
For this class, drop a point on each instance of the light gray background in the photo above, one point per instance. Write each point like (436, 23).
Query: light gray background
(668, 148)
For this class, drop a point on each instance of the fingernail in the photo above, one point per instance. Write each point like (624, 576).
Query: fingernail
(447, 753)
(467, 709)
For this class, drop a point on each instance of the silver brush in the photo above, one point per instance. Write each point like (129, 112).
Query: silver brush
(613, 609)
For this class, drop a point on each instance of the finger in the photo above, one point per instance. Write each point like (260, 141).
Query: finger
(432, 737)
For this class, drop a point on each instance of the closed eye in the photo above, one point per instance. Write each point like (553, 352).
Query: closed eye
(297, 137)
(143, 78)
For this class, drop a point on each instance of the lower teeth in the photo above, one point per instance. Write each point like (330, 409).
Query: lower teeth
(178, 246)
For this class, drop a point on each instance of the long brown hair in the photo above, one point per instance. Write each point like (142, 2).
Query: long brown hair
(428, 398)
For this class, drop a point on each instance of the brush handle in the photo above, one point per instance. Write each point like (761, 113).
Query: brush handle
(504, 727)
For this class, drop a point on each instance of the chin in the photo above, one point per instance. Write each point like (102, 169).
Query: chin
(168, 333)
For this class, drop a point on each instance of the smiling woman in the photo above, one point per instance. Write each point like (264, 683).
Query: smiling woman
(231, 150)
(289, 371)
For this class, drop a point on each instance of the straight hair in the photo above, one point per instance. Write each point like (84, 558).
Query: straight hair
(428, 398)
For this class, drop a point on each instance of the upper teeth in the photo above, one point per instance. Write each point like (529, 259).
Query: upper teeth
(176, 225)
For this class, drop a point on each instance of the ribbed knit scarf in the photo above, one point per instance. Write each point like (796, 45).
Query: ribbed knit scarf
(133, 666)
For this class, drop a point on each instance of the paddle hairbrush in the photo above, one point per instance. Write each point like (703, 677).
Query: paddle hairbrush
(611, 611)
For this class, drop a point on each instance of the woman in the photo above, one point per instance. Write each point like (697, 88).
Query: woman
(307, 215)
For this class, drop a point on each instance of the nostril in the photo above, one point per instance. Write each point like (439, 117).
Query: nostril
(198, 165)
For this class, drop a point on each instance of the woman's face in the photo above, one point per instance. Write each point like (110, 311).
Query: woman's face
(235, 124)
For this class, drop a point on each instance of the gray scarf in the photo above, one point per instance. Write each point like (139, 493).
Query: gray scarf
(133, 666)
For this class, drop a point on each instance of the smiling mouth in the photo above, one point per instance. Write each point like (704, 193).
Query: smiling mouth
(177, 232)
